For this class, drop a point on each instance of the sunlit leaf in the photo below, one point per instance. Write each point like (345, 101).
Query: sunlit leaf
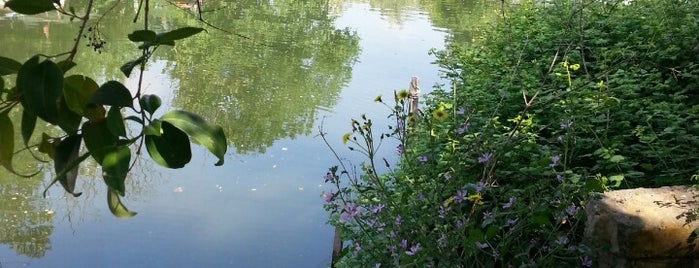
(78, 90)
(150, 103)
(68, 120)
(142, 36)
(115, 205)
(171, 149)
(168, 38)
(30, 7)
(66, 153)
(112, 93)
(9, 66)
(41, 86)
(98, 139)
(201, 132)
(115, 122)
(115, 167)
(28, 125)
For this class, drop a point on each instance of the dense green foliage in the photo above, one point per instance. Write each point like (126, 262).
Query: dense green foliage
(557, 101)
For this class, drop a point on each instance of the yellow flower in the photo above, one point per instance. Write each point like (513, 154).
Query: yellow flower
(346, 138)
(448, 202)
(402, 94)
(378, 99)
(439, 114)
(476, 198)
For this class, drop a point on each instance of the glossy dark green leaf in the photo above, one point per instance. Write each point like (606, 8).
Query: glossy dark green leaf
(134, 118)
(30, 7)
(98, 139)
(142, 36)
(28, 125)
(201, 132)
(116, 207)
(112, 93)
(67, 152)
(167, 38)
(128, 67)
(150, 103)
(7, 141)
(78, 90)
(171, 149)
(68, 120)
(115, 167)
(9, 66)
(115, 122)
(41, 87)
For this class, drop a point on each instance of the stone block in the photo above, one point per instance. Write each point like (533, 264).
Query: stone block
(644, 227)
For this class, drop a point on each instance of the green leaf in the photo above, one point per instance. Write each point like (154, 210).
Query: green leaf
(30, 7)
(171, 149)
(7, 141)
(168, 38)
(150, 103)
(142, 36)
(98, 139)
(28, 125)
(68, 120)
(41, 87)
(115, 122)
(48, 145)
(112, 93)
(200, 131)
(616, 158)
(115, 205)
(135, 119)
(9, 66)
(66, 153)
(128, 67)
(77, 90)
(115, 167)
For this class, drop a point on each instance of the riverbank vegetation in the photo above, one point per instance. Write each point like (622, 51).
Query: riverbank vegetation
(555, 102)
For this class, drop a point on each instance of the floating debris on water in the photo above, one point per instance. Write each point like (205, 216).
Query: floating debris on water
(178, 190)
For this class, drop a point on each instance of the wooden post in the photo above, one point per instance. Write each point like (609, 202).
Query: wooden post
(414, 88)
(337, 247)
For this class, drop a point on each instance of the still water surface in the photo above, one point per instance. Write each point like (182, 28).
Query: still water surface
(306, 63)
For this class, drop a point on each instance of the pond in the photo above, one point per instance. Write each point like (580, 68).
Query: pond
(300, 65)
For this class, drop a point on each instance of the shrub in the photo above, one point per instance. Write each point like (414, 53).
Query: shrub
(557, 101)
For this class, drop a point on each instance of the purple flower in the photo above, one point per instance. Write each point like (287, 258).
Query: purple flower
(422, 159)
(357, 247)
(349, 211)
(484, 158)
(585, 261)
(482, 245)
(378, 265)
(460, 111)
(398, 220)
(462, 129)
(559, 178)
(378, 208)
(414, 249)
(328, 197)
(512, 221)
(561, 241)
(460, 197)
(487, 214)
(380, 227)
(566, 124)
(509, 204)
(559, 138)
(443, 212)
(399, 149)
(392, 234)
(404, 243)
(571, 210)
(554, 160)
(447, 176)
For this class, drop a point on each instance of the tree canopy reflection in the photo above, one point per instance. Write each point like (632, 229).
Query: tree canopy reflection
(269, 86)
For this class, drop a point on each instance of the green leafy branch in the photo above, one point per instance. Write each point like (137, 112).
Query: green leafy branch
(95, 115)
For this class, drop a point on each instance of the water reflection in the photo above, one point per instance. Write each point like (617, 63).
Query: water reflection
(267, 87)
